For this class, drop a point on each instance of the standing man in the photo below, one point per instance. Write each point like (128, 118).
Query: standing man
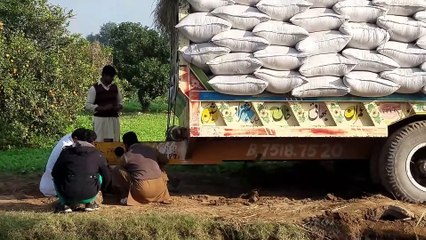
(47, 187)
(105, 101)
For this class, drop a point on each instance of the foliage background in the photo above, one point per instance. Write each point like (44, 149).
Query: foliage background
(44, 72)
(141, 56)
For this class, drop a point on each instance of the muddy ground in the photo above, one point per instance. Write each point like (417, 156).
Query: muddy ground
(325, 202)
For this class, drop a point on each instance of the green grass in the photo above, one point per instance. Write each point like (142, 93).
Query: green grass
(148, 126)
(159, 105)
(23, 160)
(102, 225)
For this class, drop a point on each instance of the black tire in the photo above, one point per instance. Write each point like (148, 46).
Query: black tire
(392, 163)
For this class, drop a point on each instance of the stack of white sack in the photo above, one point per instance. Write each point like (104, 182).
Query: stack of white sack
(309, 48)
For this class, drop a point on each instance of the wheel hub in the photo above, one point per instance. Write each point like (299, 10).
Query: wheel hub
(422, 167)
(416, 166)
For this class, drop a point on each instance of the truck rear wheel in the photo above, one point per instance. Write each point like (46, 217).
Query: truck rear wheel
(403, 163)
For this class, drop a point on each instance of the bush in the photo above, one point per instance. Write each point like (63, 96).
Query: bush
(41, 91)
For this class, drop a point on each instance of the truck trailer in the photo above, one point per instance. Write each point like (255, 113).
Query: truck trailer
(208, 127)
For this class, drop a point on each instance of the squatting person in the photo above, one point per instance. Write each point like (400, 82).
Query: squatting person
(79, 174)
(142, 178)
(47, 188)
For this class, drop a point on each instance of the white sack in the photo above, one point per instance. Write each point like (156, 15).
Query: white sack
(420, 16)
(402, 29)
(242, 85)
(323, 3)
(402, 7)
(370, 60)
(283, 10)
(318, 19)
(240, 41)
(411, 80)
(364, 35)
(208, 5)
(280, 58)
(201, 27)
(327, 86)
(368, 84)
(422, 42)
(247, 2)
(280, 82)
(324, 42)
(200, 54)
(240, 16)
(407, 55)
(327, 65)
(423, 66)
(280, 33)
(360, 10)
(234, 64)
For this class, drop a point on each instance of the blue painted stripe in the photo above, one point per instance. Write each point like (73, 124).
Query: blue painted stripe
(216, 97)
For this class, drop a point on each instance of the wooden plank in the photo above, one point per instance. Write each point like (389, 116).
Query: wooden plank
(258, 149)
(215, 96)
(302, 132)
(201, 76)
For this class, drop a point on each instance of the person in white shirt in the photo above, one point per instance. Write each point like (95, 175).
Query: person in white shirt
(105, 102)
(47, 188)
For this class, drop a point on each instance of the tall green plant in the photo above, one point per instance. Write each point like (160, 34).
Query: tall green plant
(44, 78)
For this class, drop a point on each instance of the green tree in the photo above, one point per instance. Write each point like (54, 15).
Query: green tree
(141, 56)
(104, 35)
(43, 77)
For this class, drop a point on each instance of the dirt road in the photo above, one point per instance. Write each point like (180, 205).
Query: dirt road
(327, 205)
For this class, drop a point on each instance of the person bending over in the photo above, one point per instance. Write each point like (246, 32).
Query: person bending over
(47, 188)
(79, 174)
(142, 178)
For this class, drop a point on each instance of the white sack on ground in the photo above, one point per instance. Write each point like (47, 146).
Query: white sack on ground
(323, 3)
(283, 10)
(234, 64)
(318, 19)
(327, 65)
(360, 10)
(240, 41)
(326, 86)
(208, 5)
(280, 82)
(280, 33)
(201, 27)
(240, 16)
(402, 7)
(324, 42)
(368, 84)
(420, 16)
(407, 55)
(422, 42)
(423, 67)
(280, 58)
(200, 54)
(402, 29)
(247, 2)
(370, 60)
(411, 80)
(242, 85)
(364, 35)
